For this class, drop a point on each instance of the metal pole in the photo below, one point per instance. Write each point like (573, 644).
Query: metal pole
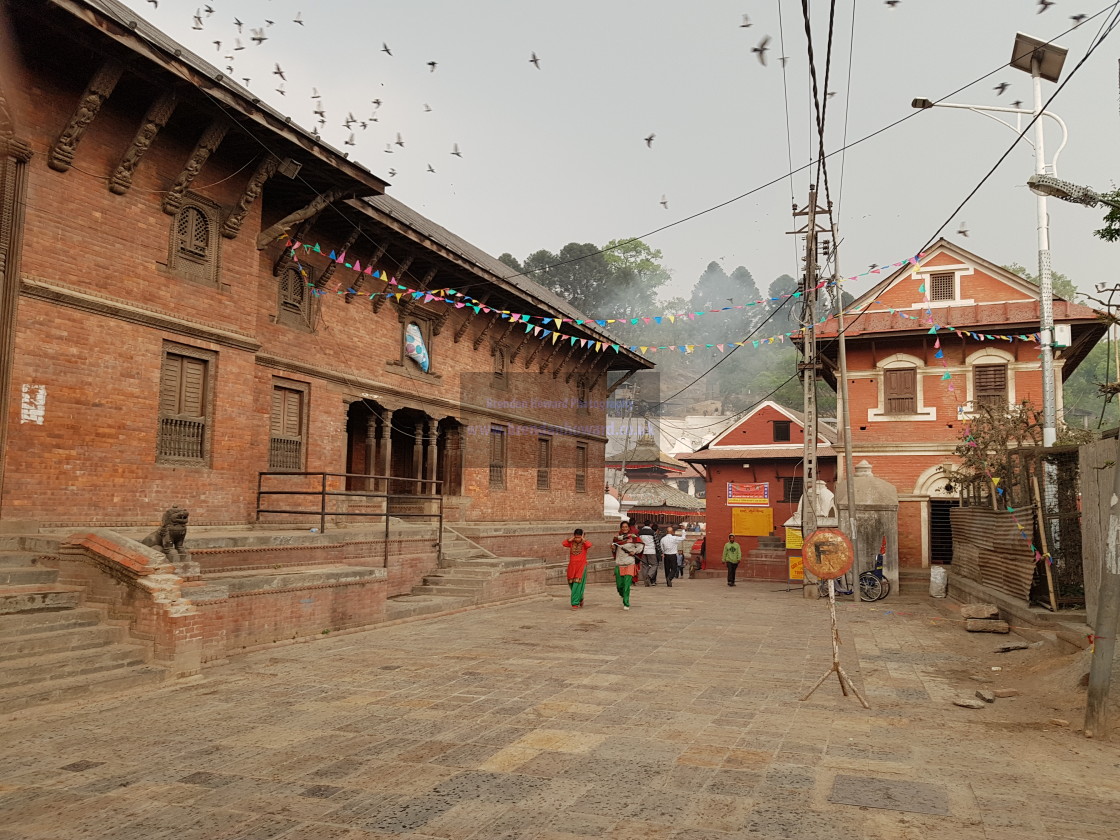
(1045, 278)
(849, 475)
(323, 506)
(1107, 624)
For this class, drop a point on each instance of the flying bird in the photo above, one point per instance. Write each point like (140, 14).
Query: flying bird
(209, 10)
(1018, 103)
(455, 150)
(649, 140)
(246, 81)
(238, 24)
(269, 22)
(536, 62)
(873, 266)
(1043, 5)
(319, 112)
(280, 90)
(892, 3)
(1078, 18)
(664, 202)
(350, 119)
(217, 45)
(427, 108)
(784, 59)
(298, 18)
(399, 141)
(258, 36)
(963, 229)
(392, 173)
(376, 103)
(388, 148)
(315, 93)
(229, 68)
(350, 140)
(238, 45)
(1000, 88)
(746, 22)
(385, 48)
(761, 49)
(432, 66)
(197, 22)
(154, 3)
(830, 94)
(430, 168)
(279, 72)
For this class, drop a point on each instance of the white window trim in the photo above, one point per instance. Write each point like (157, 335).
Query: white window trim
(926, 276)
(895, 362)
(990, 356)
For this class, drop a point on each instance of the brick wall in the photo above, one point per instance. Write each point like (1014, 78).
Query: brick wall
(93, 459)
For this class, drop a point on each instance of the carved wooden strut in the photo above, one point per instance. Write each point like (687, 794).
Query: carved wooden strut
(281, 228)
(265, 170)
(328, 272)
(96, 92)
(156, 118)
(207, 144)
(379, 301)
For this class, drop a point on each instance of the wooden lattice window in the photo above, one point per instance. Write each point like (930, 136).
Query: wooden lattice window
(500, 369)
(295, 298)
(900, 390)
(498, 456)
(581, 467)
(989, 384)
(943, 287)
(544, 462)
(792, 489)
(194, 242)
(781, 431)
(286, 428)
(184, 397)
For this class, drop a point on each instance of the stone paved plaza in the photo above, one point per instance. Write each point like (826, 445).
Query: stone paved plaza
(677, 719)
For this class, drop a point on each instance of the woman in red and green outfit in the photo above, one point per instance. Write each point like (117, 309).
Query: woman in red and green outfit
(577, 565)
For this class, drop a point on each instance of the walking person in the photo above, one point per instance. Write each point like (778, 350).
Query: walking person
(732, 554)
(670, 548)
(577, 565)
(649, 553)
(626, 565)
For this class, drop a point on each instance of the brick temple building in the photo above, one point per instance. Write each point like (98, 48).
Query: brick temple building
(194, 292)
(912, 391)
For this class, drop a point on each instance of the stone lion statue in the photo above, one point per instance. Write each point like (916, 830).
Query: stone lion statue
(170, 535)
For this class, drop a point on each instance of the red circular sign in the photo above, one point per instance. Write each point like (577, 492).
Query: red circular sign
(827, 553)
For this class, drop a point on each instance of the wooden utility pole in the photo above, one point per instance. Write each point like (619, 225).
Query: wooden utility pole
(808, 368)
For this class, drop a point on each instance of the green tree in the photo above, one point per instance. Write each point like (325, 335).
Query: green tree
(1063, 286)
(1082, 391)
(1111, 230)
(512, 261)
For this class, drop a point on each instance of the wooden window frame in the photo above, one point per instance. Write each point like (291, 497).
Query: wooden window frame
(164, 419)
(201, 268)
(426, 321)
(583, 396)
(582, 454)
(783, 424)
(938, 289)
(544, 467)
(300, 314)
(987, 395)
(893, 404)
(498, 465)
(501, 368)
(304, 390)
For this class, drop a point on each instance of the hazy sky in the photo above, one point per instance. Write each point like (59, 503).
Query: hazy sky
(557, 154)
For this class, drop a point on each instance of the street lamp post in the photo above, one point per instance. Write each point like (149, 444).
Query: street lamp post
(1043, 61)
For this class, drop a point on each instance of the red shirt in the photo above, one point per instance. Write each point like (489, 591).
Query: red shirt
(577, 558)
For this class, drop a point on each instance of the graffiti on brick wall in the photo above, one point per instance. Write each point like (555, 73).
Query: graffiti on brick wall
(33, 404)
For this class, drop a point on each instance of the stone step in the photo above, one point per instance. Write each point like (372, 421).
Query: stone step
(78, 638)
(454, 579)
(23, 575)
(408, 606)
(17, 558)
(465, 592)
(17, 599)
(46, 621)
(461, 570)
(79, 688)
(766, 555)
(64, 665)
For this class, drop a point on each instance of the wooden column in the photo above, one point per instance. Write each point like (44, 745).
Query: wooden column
(430, 454)
(371, 452)
(387, 447)
(417, 456)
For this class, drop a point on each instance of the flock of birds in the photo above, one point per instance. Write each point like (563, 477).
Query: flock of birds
(259, 34)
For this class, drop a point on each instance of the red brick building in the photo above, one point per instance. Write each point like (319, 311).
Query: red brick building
(160, 345)
(918, 368)
(765, 447)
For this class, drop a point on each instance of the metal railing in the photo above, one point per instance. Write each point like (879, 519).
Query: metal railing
(320, 489)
